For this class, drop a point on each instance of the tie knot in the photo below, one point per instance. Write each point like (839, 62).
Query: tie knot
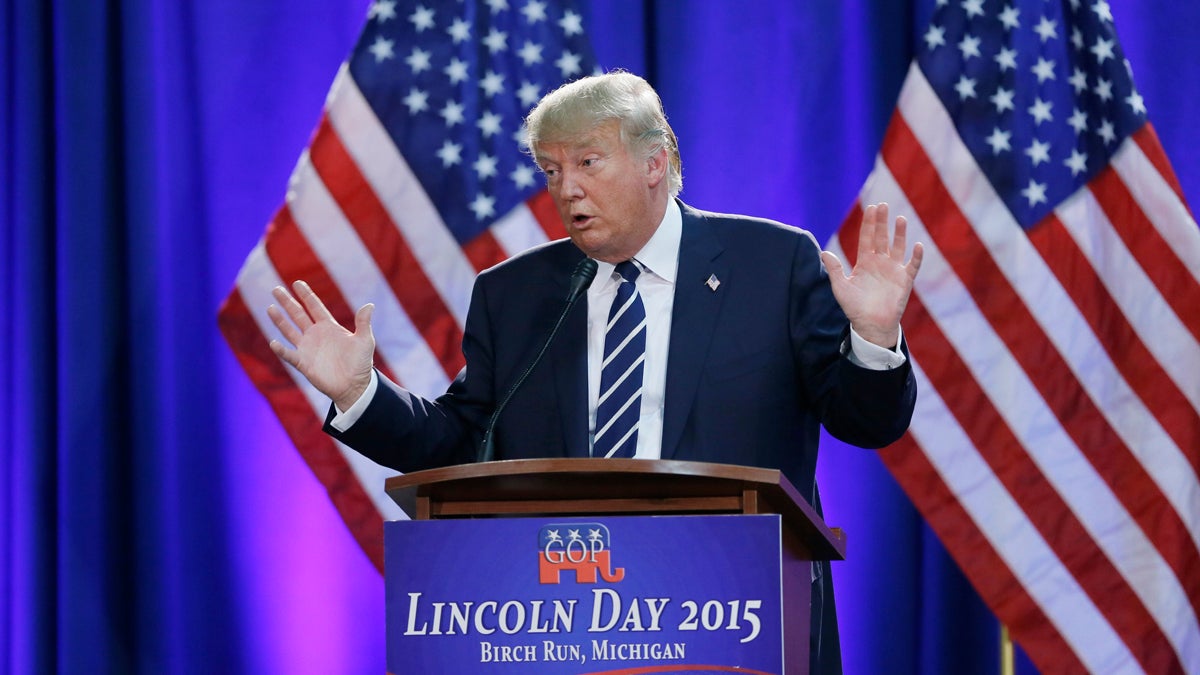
(628, 271)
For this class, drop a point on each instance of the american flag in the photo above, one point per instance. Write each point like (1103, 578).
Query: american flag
(1055, 332)
(412, 183)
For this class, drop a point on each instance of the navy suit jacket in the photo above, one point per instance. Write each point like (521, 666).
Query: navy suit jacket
(754, 368)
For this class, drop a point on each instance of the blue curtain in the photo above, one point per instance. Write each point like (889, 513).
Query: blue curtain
(154, 518)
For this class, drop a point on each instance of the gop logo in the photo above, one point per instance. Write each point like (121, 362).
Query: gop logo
(579, 547)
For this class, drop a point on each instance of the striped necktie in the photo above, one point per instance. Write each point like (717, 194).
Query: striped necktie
(620, 403)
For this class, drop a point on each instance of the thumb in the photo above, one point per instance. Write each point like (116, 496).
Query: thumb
(362, 319)
(833, 265)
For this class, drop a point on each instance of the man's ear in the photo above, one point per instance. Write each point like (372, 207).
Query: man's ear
(656, 167)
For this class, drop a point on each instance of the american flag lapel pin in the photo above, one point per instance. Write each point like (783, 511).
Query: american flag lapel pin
(712, 282)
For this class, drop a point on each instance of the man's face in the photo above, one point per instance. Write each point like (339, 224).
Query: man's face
(610, 200)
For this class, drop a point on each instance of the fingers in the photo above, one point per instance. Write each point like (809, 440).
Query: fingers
(316, 308)
(879, 243)
(294, 311)
(914, 265)
(312, 311)
(900, 240)
(286, 328)
(288, 356)
(866, 232)
(873, 236)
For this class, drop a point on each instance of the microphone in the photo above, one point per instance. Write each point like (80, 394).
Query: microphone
(581, 278)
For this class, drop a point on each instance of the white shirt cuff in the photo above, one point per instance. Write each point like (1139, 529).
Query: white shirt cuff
(344, 420)
(873, 357)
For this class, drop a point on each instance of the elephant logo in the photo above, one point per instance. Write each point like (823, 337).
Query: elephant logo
(566, 547)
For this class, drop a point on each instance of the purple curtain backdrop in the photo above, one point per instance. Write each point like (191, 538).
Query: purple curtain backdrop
(154, 517)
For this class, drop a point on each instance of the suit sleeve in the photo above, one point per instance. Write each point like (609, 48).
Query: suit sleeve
(863, 407)
(407, 432)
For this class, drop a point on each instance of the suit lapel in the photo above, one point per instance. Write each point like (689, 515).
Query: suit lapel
(693, 318)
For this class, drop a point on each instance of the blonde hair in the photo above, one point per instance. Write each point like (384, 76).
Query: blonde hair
(578, 107)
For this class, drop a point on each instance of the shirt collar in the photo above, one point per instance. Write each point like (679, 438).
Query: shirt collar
(660, 255)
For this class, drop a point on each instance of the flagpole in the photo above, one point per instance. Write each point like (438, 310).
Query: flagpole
(1006, 652)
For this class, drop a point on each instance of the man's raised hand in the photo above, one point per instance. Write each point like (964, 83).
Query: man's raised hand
(876, 292)
(336, 361)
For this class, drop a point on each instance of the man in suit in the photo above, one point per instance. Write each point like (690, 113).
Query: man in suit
(739, 348)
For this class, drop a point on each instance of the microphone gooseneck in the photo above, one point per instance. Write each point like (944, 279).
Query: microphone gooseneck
(581, 279)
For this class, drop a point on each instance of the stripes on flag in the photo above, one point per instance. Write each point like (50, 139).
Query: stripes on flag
(1055, 448)
(378, 210)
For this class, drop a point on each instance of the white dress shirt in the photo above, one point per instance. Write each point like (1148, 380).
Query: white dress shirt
(658, 260)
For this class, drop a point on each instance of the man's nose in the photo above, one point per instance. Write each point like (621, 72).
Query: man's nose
(571, 187)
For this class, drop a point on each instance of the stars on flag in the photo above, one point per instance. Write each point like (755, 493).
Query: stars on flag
(381, 49)
(466, 81)
(421, 18)
(382, 10)
(1010, 75)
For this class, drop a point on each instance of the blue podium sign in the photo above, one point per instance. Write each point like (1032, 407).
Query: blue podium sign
(585, 596)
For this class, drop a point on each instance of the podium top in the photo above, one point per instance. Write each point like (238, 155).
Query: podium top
(590, 486)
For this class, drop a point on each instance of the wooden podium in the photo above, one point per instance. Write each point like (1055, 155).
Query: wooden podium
(633, 487)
